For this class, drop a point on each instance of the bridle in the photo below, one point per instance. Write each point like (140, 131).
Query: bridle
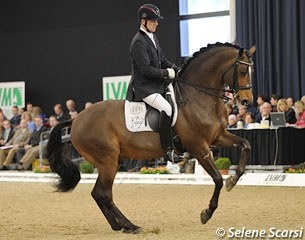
(233, 88)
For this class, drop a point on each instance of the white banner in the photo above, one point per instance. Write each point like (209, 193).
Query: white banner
(11, 94)
(115, 87)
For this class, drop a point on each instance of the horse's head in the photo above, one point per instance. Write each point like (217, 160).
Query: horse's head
(241, 70)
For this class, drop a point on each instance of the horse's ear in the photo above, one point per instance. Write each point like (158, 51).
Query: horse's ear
(252, 50)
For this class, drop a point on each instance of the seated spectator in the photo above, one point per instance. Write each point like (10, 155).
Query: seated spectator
(229, 108)
(282, 106)
(20, 138)
(242, 110)
(27, 154)
(88, 104)
(273, 100)
(21, 110)
(303, 99)
(37, 112)
(290, 102)
(232, 121)
(29, 108)
(27, 116)
(265, 113)
(2, 117)
(16, 117)
(7, 133)
(60, 114)
(70, 104)
(249, 118)
(300, 110)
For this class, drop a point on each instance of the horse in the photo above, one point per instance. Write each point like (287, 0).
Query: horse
(99, 133)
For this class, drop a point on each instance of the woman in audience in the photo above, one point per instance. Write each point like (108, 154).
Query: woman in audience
(300, 110)
(282, 106)
(290, 102)
(30, 123)
(249, 118)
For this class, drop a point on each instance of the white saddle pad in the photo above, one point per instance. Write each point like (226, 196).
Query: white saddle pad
(135, 114)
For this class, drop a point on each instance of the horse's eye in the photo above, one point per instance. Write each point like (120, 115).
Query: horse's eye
(243, 71)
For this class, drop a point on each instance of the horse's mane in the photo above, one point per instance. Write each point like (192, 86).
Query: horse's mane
(203, 50)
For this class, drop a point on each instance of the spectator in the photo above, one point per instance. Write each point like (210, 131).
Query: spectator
(29, 121)
(249, 118)
(303, 99)
(300, 110)
(7, 133)
(29, 108)
(88, 104)
(16, 118)
(229, 108)
(282, 106)
(27, 154)
(265, 113)
(260, 100)
(242, 110)
(60, 114)
(273, 100)
(2, 117)
(70, 104)
(21, 110)
(232, 121)
(290, 102)
(20, 138)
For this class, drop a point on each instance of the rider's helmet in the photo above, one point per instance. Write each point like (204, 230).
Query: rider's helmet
(149, 12)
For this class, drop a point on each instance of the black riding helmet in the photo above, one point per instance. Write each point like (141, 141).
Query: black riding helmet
(149, 12)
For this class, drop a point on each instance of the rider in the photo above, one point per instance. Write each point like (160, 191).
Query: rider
(151, 70)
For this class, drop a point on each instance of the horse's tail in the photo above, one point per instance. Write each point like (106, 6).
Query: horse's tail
(64, 167)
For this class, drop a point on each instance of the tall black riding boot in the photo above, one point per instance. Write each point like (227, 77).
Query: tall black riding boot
(165, 134)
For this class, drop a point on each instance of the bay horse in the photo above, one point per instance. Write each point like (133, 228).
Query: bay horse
(100, 136)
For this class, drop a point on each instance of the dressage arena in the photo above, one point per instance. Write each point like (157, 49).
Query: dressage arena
(35, 211)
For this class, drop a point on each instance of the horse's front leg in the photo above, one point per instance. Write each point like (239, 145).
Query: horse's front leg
(228, 140)
(205, 158)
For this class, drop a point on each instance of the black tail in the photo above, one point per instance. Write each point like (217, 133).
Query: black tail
(65, 168)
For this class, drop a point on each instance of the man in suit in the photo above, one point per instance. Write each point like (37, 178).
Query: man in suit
(20, 138)
(7, 134)
(266, 108)
(151, 69)
(30, 151)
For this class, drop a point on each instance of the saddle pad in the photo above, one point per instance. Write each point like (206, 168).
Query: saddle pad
(135, 117)
(135, 113)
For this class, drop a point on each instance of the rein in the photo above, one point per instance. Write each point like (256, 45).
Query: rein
(233, 89)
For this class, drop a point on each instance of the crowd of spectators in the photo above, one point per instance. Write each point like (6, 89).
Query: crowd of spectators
(20, 134)
(246, 114)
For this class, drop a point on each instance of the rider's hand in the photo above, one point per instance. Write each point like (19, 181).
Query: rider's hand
(171, 73)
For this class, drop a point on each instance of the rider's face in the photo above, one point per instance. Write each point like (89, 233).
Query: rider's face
(151, 25)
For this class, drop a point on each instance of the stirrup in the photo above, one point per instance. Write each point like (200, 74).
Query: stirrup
(171, 155)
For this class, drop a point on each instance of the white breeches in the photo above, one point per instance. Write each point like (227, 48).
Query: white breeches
(156, 100)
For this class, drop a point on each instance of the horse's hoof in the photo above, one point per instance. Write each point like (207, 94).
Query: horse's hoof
(204, 217)
(133, 231)
(230, 183)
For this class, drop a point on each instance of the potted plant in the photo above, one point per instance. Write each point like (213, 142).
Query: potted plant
(86, 167)
(223, 165)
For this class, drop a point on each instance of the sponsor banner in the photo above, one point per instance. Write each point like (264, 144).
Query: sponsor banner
(11, 94)
(115, 87)
(273, 179)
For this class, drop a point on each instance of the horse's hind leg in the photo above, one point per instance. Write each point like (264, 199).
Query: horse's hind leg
(207, 162)
(102, 194)
(229, 140)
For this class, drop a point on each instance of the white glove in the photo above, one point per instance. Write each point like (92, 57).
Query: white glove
(171, 73)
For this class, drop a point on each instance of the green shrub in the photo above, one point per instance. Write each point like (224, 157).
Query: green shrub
(86, 167)
(223, 163)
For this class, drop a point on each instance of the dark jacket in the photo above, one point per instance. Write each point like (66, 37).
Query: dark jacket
(35, 137)
(290, 116)
(148, 66)
(10, 135)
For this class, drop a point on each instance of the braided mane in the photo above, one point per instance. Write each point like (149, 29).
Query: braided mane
(204, 49)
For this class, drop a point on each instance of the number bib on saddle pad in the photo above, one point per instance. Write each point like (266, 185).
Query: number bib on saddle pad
(137, 119)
